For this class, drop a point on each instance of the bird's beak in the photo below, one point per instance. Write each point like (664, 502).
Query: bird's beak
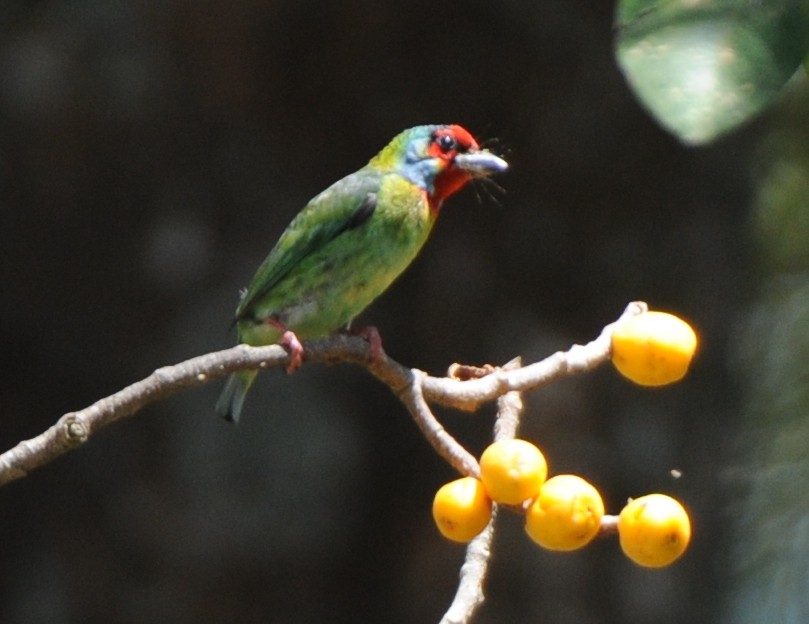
(480, 163)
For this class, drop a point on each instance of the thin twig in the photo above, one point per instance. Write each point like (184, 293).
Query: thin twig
(509, 409)
(446, 446)
(469, 395)
(469, 595)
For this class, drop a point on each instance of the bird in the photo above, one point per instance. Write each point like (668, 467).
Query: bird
(350, 242)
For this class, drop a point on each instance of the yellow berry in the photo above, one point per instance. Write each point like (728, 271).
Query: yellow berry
(654, 530)
(512, 471)
(461, 509)
(565, 515)
(654, 348)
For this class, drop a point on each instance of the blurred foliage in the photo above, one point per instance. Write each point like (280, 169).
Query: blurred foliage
(771, 545)
(702, 68)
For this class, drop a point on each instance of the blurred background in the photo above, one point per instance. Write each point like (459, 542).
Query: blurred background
(150, 155)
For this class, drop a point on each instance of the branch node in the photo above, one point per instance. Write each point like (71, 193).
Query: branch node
(75, 430)
(465, 372)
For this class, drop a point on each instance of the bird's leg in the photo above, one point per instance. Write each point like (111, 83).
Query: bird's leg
(290, 340)
(371, 334)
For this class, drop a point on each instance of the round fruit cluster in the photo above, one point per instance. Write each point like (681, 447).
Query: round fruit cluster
(562, 513)
(566, 512)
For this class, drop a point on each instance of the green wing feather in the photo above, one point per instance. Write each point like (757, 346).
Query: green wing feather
(341, 207)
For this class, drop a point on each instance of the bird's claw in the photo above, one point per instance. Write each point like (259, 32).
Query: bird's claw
(371, 335)
(291, 341)
(295, 350)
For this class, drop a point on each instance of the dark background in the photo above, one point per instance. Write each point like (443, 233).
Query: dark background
(150, 155)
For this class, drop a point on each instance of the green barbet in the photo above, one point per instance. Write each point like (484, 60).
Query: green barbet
(350, 242)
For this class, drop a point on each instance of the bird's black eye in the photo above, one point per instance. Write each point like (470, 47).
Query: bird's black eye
(447, 143)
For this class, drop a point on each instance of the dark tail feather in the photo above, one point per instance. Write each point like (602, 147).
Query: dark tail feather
(230, 403)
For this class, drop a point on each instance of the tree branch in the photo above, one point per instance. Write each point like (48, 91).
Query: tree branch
(415, 388)
(469, 395)
(469, 595)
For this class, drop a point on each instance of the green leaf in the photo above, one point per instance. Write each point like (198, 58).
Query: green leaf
(703, 67)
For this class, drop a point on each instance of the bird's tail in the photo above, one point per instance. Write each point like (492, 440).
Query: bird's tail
(229, 405)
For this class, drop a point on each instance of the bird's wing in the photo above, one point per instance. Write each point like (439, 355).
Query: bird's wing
(345, 205)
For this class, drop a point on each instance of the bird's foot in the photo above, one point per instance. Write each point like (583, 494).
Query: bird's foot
(295, 350)
(291, 341)
(370, 334)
